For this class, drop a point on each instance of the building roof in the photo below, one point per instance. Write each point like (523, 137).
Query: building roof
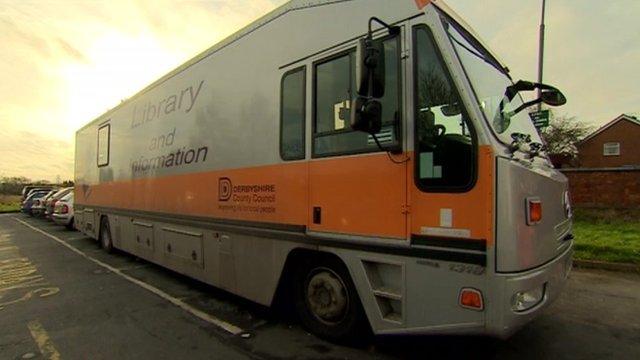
(604, 127)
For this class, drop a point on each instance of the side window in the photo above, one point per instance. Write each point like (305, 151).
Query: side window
(292, 115)
(334, 90)
(104, 134)
(445, 142)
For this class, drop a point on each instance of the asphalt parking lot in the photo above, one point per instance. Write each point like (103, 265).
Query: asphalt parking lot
(62, 297)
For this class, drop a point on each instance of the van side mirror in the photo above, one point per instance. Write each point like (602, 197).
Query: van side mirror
(366, 115)
(553, 97)
(370, 68)
(548, 94)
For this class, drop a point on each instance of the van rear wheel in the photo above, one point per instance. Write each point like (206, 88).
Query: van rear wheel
(106, 242)
(327, 302)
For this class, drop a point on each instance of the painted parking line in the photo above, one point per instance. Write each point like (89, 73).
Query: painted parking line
(76, 238)
(42, 339)
(230, 328)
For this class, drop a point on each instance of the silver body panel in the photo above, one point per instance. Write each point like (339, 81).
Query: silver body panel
(521, 246)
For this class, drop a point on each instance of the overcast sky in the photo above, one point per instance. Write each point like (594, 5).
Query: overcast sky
(66, 62)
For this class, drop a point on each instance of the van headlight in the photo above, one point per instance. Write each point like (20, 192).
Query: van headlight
(525, 300)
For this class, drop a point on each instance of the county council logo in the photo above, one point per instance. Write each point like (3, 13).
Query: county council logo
(224, 189)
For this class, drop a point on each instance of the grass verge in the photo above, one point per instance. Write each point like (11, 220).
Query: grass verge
(607, 235)
(9, 203)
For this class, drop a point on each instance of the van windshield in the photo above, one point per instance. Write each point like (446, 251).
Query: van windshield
(490, 81)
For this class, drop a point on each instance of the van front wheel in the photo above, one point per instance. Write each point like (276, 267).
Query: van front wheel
(105, 236)
(327, 302)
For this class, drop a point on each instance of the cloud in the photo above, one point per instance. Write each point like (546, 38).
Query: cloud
(65, 65)
(591, 50)
(71, 51)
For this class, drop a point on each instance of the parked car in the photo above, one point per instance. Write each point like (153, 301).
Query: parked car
(29, 188)
(31, 198)
(32, 191)
(63, 211)
(37, 209)
(50, 202)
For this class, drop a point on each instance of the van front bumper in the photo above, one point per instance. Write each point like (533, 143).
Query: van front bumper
(550, 278)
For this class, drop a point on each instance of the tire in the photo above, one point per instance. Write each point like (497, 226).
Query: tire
(327, 302)
(106, 241)
(69, 226)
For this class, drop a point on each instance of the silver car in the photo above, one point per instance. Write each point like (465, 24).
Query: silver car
(63, 211)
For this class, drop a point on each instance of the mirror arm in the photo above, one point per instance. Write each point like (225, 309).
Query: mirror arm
(514, 89)
(526, 105)
(393, 30)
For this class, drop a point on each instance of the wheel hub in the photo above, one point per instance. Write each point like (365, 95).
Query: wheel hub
(327, 297)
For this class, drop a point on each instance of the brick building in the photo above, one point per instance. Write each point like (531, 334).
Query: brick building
(608, 171)
(614, 145)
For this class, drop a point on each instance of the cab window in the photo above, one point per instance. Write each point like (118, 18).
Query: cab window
(334, 90)
(445, 140)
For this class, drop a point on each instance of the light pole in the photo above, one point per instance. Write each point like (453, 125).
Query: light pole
(541, 51)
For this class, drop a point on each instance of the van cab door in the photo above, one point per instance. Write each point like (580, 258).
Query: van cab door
(451, 172)
(355, 189)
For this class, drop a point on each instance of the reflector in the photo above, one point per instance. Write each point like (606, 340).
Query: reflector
(422, 3)
(471, 299)
(535, 211)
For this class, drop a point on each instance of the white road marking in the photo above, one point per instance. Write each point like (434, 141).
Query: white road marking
(76, 238)
(230, 328)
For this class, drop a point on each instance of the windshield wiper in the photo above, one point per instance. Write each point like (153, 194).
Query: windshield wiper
(535, 148)
(519, 139)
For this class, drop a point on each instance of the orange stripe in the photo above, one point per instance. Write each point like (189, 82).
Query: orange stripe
(197, 194)
(361, 195)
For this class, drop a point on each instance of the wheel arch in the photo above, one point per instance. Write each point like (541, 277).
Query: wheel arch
(293, 260)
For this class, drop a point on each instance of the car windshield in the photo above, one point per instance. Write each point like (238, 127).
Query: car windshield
(490, 80)
(36, 195)
(60, 194)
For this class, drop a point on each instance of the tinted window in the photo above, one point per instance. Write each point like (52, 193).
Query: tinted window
(334, 90)
(444, 139)
(292, 115)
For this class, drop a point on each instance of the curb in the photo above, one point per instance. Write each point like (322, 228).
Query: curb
(10, 212)
(603, 265)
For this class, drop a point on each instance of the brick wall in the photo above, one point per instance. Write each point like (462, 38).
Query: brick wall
(619, 188)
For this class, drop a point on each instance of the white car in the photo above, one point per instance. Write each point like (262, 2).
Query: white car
(63, 211)
(38, 207)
